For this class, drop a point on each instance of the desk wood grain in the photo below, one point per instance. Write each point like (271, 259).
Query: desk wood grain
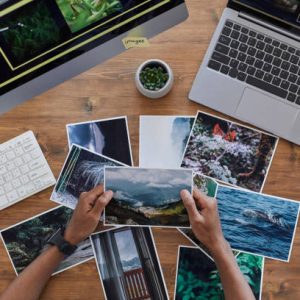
(108, 90)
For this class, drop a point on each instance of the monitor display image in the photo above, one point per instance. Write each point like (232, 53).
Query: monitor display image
(39, 36)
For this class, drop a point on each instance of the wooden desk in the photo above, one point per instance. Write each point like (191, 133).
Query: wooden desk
(108, 90)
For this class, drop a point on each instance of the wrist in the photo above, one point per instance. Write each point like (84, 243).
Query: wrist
(71, 238)
(219, 247)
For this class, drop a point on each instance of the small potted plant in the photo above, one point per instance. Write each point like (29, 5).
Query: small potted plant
(154, 78)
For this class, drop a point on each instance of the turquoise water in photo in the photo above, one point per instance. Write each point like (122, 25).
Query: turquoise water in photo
(256, 223)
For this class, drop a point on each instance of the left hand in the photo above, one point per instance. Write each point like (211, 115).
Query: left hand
(87, 214)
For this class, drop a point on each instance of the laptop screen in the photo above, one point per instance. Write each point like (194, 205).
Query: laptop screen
(287, 11)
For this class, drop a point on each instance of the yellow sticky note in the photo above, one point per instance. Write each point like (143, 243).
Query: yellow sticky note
(135, 42)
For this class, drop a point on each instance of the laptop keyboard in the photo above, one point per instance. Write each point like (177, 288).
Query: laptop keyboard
(258, 60)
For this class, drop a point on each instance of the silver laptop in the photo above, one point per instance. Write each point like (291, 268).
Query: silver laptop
(251, 70)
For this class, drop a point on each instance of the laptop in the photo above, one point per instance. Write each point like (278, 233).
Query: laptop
(251, 70)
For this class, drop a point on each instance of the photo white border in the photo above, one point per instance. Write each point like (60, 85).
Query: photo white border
(100, 121)
(29, 219)
(158, 116)
(278, 198)
(64, 164)
(142, 225)
(241, 125)
(154, 246)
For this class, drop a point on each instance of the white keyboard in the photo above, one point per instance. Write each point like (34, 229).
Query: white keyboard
(24, 170)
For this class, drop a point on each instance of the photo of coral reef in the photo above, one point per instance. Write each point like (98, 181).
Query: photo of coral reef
(198, 276)
(83, 170)
(82, 13)
(229, 152)
(29, 31)
(25, 241)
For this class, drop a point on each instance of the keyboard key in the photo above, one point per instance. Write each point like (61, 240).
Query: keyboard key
(229, 24)
(12, 196)
(1, 180)
(37, 173)
(245, 30)
(242, 57)
(285, 55)
(266, 87)
(291, 97)
(233, 73)
(250, 60)
(277, 62)
(293, 88)
(3, 200)
(285, 65)
(19, 151)
(10, 155)
(285, 84)
(7, 177)
(275, 71)
(292, 50)
(234, 44)
(243, 38)
(258, 64)
(1, 191)
(260, 45)
(2, 170)
(268, 58)
(24, 169)
(241, 76)
(276, 81)
(234, 63)
(242, 67)
(275, 43)
(18, 162)
(225, 70)
(252, 33)
(3, 159)
(233, 53)
(237, 27)
(24, 179)
(260, 54)
(260, 37)
(10, 165)
(292, 78)
(214, 65)
(243, 48)
(222, 49)
(224, 40)
(8, 187)
(284, 74)
(16, 183)
(221, 58)
(235, 34)
(277, 52)
(294, 59)
(267, 67)
(298, 100)
(283, 46)
(269, 49)
(226, 31)
(35, 164)
(251, 51)
(251, 70)
(251, 42)
(259, 74)
(268, 77)
(294, 69)
(27, 158)
(268, 40)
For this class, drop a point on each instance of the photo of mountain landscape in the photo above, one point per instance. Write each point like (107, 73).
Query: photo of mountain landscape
(26, 241)
(83, 170)
(147, 196)
(163, 140)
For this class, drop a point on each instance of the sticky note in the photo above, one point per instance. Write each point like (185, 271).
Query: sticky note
(135, 42)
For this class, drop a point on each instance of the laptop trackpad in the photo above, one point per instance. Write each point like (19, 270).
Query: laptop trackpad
(266, 112)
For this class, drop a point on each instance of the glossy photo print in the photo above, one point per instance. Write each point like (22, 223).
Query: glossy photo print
(83, 170)
(80, 14)
(197, 276)
(149, 197)
(128, 264)
(25, 241)
(163, 140)
(229, 152)
(258, 223)
(109, 137)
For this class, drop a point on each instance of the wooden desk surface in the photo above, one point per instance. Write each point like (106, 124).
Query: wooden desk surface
(108, 90)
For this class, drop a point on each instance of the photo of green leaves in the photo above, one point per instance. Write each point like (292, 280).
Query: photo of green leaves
(82, 13)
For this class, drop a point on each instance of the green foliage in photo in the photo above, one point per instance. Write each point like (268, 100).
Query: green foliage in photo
(82, 13)
(29, 31)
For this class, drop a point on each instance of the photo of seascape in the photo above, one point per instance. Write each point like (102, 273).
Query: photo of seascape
(108, 137)
(26, 241)
(257, 223)
(163, 140)
(147, 196)
(82, 171)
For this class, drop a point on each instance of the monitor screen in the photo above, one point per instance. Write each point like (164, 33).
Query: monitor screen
(37, 36)
(287, 11)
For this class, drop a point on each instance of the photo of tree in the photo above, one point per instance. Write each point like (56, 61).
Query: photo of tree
(29, 31)
(229, 152)
(198, 276)
(163, 140)
(83, 170)
(149, 197)
(128, 264)
(82, 13)
(25, 241)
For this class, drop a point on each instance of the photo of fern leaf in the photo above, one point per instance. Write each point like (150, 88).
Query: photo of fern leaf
(82, 13)
(198, 277)
(26, 241)
(29, 31)
(229, 152)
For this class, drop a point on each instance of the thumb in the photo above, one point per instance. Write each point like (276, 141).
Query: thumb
(102, 201)
(190, 205)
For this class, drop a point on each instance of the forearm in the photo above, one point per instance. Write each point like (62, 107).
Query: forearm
(31, 282)
(234, 284)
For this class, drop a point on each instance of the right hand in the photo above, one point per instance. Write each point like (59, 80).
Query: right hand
(204, 219)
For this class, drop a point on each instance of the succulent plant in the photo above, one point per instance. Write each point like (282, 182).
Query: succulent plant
(154, 78)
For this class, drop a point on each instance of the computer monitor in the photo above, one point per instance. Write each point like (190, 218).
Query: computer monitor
(45, 42)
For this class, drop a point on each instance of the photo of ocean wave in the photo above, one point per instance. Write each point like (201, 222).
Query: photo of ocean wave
(257, 223)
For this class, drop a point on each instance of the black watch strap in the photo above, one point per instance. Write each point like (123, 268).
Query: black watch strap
(57, 239)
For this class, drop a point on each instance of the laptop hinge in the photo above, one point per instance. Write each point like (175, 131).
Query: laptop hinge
(269, 26)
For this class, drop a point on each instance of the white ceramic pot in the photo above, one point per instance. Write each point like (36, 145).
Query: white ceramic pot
(159, 93)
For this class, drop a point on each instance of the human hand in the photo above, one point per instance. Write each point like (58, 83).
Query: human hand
(204, 219)
(87, 214)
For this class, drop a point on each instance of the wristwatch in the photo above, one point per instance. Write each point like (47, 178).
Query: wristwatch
(57, 239)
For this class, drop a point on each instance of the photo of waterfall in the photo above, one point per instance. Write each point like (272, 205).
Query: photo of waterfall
(163, 140)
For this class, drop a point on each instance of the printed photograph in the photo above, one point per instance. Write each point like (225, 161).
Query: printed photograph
(149, 197)
(80, 14)
(197, 276)
(83, 170)
(258, 223)
(229, 152)
(163, 140)
(128, 264)
(108, 137)
(25, 241)
(29, 31)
